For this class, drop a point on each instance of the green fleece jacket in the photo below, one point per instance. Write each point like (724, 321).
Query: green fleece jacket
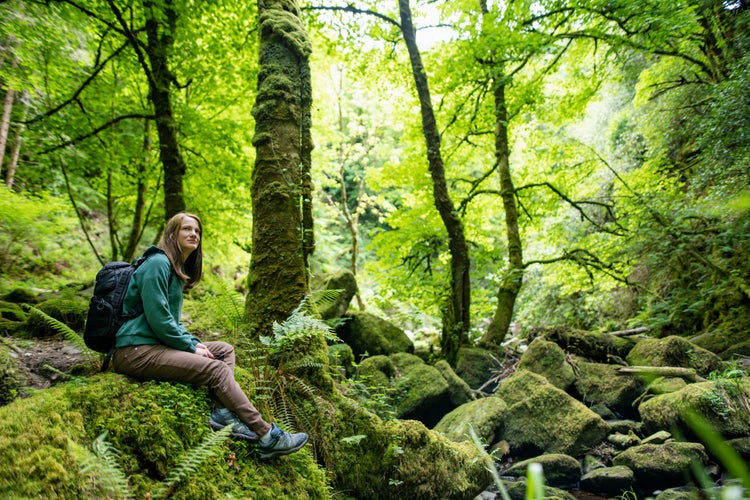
(162, 305)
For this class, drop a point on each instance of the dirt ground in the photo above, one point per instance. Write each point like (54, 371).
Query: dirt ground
(44, 362)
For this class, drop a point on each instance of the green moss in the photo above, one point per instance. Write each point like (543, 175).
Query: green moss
(43, 440)
(287, 26)
(547, 359)
(674, 351)
(10, 380)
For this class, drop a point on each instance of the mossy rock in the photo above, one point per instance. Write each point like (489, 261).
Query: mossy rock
(340, 356)
(596, 346)
(560, 470)
(376, 370)
(608, 481)
(485, 415)
(723, 404)
(475, 366)
(544, 419)
(370, 335)
(12, 312)
(548, 360)
(341, 280)
(458, 390)
(21, 296)
(10, 381)
(517, 491)
(45, 442)
(599, 383)
(401, 459)
(661, 466)
(425, 394)
(675, 352)
(72, 312)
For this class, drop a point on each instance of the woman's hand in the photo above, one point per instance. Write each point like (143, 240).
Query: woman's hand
(202, 350)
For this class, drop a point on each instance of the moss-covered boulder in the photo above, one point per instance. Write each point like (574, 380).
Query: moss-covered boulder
(10, 379)
(343, 280)
(12, 312)
(475, 366)
(561, 471)
(341, 357)
(402, 459)
(45, 445)
(458, 390)
(21, 296)
(71, 311)
(517, 491)
(376, 371)
(368, 334)
(676, 352)
(485, 415)
(549, 360)
(599, 383)
(425, 394)
(608, 481)
(661, 466)
(725, 404)
(596, 346)
(544, 419)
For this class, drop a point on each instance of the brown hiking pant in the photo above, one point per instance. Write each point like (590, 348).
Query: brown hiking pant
(158, 362)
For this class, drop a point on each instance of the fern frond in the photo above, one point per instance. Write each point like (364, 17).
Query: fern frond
(321, 299)
(193, 459)
(105, 468)
(229, 304)
(67, 332)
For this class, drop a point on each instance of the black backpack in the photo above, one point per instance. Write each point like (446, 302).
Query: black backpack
(105, 316)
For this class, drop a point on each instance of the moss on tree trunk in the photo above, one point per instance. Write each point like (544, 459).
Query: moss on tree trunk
(281, 216)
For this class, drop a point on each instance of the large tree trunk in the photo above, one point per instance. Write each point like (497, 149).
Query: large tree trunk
(281, 184)
(10, 96)
(513, 277)
(160, 41)
(456, 314)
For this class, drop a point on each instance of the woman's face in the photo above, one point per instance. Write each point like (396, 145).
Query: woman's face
(189, 236)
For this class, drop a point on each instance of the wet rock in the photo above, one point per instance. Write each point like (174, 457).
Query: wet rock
(425, 393)
(623, 441)
(475, 366)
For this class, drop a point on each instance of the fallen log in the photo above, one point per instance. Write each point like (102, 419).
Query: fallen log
(632, 331)
(688, 374)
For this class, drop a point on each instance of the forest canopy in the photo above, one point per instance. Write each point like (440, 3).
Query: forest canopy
(475, 164)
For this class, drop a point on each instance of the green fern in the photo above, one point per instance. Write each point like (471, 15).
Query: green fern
(192, 461)
(299, 326)
(105, 468)
(67, 332)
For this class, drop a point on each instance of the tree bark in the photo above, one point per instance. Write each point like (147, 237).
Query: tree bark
(456, 315)
(512, 280)
(160, 40)
(16, 151)
(10, 96)
(281, 184)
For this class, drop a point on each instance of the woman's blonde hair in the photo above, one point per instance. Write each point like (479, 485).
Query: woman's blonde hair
(191, 269)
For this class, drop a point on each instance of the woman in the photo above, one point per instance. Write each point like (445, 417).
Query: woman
(156, 346)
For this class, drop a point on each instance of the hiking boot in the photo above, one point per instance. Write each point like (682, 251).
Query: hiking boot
(221, 417)
(281, 443)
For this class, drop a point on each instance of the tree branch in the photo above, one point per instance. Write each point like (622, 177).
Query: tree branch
(95, 132)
